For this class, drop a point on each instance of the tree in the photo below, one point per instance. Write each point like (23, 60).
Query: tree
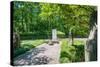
(42, 17)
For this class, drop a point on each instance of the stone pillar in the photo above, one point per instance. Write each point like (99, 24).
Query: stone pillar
(54, 35)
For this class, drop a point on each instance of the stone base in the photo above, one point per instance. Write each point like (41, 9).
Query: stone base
(53, 42)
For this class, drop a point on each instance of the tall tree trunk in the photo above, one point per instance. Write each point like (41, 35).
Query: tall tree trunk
(72, 38)
(91, 46)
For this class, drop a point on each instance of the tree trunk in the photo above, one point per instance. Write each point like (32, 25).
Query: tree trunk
(16, 40)
(72, 38)
(91, 46)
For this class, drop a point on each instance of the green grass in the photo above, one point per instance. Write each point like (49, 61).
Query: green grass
(32, 42)
(27, 45)
(73, 53)
(59, 32)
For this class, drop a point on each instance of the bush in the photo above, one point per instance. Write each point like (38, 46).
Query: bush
(25, 46)
(32, 35)
(19, 51)
(64, 60)
(23, 49)
(74, 53)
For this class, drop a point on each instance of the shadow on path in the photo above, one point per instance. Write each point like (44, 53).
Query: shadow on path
(43, 54)
(30, 57)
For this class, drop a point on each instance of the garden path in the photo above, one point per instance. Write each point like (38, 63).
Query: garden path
(43, 54)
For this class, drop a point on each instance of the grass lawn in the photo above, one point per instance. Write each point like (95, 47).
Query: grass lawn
(27, 45)
(31, 42)
(74, 53)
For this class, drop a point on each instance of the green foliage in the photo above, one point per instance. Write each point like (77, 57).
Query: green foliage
(39, 35)
(36, 20)
(32, 42)
(42, 17)
(19, 51)
(61, 34)
(73, 53)
(26, 45)
(34, 35)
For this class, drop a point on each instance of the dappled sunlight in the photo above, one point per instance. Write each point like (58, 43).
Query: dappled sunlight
(51, 33)
(43, 54)
(28, 56)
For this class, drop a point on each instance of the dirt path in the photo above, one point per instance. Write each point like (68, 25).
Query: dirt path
(43, 54)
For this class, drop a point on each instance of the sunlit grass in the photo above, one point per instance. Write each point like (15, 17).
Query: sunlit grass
(27, 45)
(32, 42)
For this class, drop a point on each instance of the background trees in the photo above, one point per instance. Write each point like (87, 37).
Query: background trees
(40, 18)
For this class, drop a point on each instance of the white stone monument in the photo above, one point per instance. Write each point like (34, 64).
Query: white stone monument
(54, 35)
